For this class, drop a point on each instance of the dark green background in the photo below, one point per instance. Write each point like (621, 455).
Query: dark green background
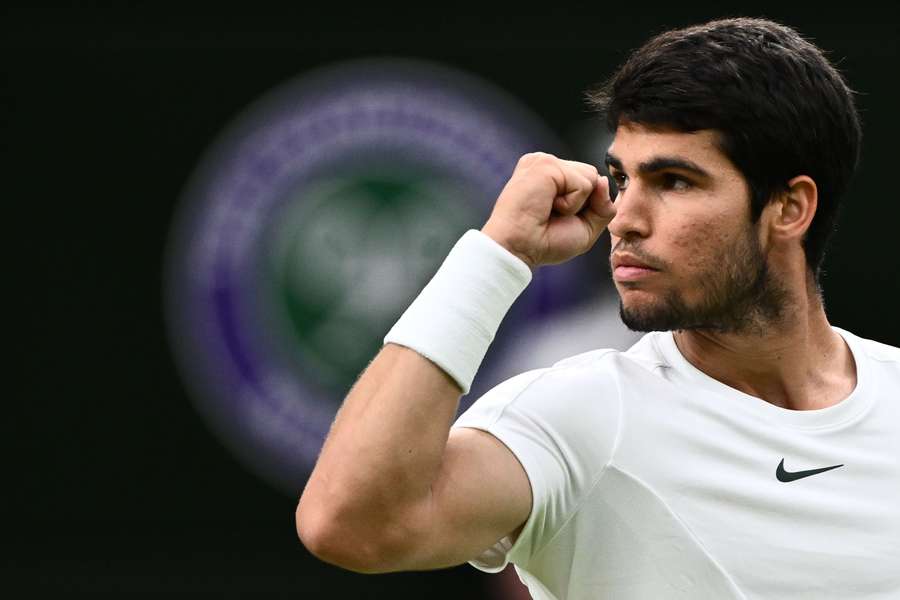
(114, 484)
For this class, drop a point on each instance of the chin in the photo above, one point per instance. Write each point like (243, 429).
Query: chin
(645, 322)
(633, 298)
(642, 311)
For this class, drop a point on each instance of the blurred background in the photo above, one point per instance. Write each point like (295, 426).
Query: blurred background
(218, 213)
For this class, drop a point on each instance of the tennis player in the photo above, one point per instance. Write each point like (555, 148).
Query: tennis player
(743, 448)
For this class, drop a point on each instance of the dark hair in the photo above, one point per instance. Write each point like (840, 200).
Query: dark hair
(781, 109)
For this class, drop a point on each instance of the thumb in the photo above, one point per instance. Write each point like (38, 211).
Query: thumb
(599, 209)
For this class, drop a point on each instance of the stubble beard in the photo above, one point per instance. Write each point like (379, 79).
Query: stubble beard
(739, 295)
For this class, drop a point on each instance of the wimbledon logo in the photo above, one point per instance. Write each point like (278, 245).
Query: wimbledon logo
(309, 227)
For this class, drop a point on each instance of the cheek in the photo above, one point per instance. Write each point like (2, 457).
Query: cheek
(699, 245)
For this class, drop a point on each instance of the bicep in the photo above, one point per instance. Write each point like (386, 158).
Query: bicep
(481, 495)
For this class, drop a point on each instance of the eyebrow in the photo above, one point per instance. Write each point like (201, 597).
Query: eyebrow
(659, 163)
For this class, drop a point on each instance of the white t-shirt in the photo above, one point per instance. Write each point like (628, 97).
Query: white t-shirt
(652, 480)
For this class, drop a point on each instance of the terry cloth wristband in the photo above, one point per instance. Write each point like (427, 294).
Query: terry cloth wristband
(455, 317)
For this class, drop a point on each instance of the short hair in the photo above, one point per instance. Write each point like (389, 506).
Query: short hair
(781, 109)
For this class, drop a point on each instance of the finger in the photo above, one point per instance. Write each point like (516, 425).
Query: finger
(599, 209)
(588, 170)
(572, 198)
(530, 159)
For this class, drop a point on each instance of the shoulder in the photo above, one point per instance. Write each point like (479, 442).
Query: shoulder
(590, 381)
(644, 353)
(585, 377)
(640, 363)
(554, 394)
(872, 349)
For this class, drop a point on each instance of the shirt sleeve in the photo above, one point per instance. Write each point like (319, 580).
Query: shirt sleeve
(561, 424)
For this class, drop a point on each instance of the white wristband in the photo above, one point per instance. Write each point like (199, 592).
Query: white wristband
(455, 317)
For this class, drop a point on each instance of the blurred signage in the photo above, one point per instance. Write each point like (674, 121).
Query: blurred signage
(309, 227)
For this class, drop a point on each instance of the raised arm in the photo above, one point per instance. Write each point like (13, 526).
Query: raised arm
(393, 488)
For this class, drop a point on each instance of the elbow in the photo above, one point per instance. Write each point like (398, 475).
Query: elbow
(311, 531)
(357, 549)
(318, 533)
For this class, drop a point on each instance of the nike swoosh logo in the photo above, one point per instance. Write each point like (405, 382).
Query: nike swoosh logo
(786, 476)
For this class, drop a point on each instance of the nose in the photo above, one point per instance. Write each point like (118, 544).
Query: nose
(632, 214)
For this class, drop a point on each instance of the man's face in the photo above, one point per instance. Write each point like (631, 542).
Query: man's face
(685, 254)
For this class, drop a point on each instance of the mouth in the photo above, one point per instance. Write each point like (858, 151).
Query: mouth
(629, 268)
(626, 273)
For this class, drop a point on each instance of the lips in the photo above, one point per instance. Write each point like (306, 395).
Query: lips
(627, 267)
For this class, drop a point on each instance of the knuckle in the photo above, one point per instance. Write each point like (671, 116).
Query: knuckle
(589, 171)
(549, 168)
(533, 158)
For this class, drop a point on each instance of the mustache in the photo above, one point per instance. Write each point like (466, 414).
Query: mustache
(636, 251)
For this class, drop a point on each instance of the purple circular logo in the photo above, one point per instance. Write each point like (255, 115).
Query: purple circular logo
(309, 227)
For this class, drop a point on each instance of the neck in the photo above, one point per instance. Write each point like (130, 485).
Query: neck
(800, 363)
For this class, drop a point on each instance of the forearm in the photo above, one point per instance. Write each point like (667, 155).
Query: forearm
(388, 491)
(374, 477)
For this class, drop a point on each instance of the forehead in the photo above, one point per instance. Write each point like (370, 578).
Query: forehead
(634, 144)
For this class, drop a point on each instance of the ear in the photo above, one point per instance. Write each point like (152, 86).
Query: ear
(792, 212)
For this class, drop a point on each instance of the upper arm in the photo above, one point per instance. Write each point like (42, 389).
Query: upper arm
(558, 430)
(481, 494)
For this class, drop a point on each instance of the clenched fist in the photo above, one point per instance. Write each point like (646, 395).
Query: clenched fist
(550, 210)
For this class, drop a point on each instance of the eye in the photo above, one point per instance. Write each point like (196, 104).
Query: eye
(675, 182)
(620, 182)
